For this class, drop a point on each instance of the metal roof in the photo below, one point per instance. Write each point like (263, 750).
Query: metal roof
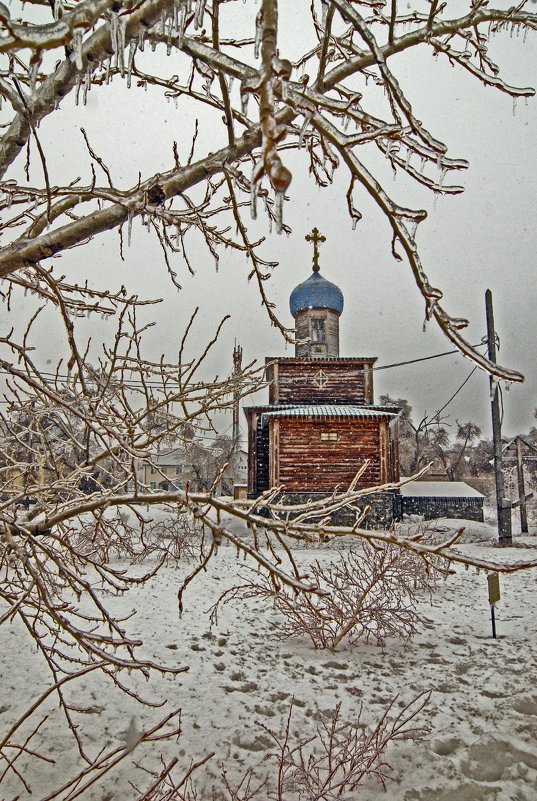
(316, 293)
(327, 410)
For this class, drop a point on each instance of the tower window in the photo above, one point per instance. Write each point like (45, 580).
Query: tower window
(318, 331)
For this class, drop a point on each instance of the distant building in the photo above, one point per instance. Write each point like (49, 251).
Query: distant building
(433, 499)
(164, 472)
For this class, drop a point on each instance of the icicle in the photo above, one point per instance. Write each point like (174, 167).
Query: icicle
(407, 159)
(78, 85)
(141, 39)
(442, 178)
(114, 23)
(307, 119)
(76, 41)
(162, 27)
(422, 164)
(514, 105)
(107, 71)
(87, 84)
(171, 29)
(121, 46)
(129, 226)
(258, 34)
(58, 9)
(253, 200)
(230, 83)
(132, 50)
(278, 211)
(198, 14)
(324, 13)
(244, 102)
(181, 21)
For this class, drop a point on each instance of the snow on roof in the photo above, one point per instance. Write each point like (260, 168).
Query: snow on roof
(331, 410)
(169, 459)
(439, 489)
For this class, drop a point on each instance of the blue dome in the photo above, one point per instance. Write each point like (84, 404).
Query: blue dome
(316, 293)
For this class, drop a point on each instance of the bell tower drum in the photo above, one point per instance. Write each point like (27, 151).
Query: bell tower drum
(316, 305)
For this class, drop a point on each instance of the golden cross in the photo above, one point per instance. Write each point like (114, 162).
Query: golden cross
(315, 237)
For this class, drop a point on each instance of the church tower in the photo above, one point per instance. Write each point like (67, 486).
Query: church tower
(316, 305)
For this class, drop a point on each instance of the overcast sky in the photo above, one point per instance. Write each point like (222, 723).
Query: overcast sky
(485, 238)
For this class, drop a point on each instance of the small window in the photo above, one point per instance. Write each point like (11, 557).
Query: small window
(329, 436)
(317, 331)
(153, 485)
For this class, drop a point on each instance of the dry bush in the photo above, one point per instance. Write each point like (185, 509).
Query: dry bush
(327, 765)
(103, 537)
(175, 537)
(366, 594)
(337, 759)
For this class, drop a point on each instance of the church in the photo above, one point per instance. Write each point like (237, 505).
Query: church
(321, 424)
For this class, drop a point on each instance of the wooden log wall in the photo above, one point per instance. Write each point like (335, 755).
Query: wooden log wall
(308, 464)
(321, 381)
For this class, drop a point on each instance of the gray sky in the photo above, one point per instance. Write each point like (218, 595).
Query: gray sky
(485, 238)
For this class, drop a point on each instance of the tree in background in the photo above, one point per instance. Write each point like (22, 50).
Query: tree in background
(340, 100)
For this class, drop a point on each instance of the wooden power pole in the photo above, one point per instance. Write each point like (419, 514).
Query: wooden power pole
(503, 506)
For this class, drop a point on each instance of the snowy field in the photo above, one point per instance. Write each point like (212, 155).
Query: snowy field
(479, 737)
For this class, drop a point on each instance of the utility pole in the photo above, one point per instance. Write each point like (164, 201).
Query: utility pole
(503, 506)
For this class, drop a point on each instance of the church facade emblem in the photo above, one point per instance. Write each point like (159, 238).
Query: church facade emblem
(321, 379)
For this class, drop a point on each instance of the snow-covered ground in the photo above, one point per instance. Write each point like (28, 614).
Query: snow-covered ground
(481, 721)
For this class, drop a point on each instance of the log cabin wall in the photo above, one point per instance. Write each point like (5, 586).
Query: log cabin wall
(321, 381)
(309, 462)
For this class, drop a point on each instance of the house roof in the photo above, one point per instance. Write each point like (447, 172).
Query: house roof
(439, 489)
(326, 410)
(169, 459)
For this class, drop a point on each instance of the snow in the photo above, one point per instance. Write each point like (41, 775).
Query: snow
(439, 489)
(480, 723)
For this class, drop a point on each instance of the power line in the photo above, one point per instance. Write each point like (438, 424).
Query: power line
(446, 404)
(62, 378)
